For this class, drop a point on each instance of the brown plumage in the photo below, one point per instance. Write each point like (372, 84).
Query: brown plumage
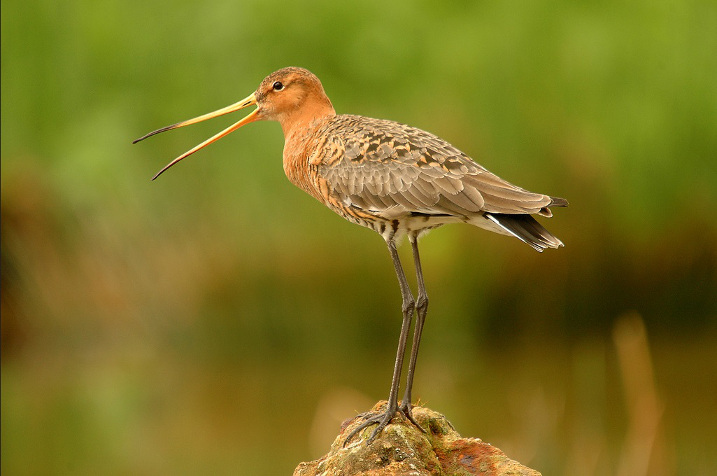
(390, 177)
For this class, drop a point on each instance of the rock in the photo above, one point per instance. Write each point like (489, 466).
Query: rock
(401, 449)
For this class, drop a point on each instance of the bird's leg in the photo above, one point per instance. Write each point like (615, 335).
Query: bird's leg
(407, 307)
(421, 310)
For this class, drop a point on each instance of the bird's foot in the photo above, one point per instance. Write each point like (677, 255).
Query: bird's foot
(407, 409)
(379, 419)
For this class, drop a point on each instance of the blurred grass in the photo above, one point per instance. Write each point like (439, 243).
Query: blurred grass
(194, 324)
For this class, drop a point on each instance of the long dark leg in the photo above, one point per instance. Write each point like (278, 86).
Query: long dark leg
(407, 307)
(421, 311)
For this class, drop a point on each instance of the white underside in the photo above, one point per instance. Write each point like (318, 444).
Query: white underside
(420, 225)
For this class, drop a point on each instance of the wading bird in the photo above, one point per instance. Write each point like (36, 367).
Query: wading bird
(395, 179)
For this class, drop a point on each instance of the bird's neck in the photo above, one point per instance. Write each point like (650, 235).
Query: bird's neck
(302, 140)
(298, 120)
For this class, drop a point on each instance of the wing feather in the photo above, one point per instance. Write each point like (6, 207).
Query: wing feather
(390, 167)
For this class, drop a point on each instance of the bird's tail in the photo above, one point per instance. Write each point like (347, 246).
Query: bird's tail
(558, 202)
(526, 229)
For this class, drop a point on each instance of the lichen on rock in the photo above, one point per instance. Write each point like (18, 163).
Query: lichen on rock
(402, 449)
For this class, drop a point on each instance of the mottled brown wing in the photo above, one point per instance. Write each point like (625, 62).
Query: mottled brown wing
(393, 169)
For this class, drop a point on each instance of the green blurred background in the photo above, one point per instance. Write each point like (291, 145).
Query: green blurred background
(220, 321)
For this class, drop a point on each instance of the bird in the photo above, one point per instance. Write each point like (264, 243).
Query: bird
(397, 180)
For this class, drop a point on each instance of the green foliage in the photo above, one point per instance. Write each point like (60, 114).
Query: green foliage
(138, 316)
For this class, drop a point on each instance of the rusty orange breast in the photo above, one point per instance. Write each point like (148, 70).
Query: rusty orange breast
(304, 151)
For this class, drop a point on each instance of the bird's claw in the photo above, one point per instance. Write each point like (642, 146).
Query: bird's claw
(407, 409)
(381, 420)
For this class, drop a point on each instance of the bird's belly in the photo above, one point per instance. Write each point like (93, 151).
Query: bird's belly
(394, 227)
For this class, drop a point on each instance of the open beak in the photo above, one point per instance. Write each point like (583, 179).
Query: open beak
(246, 102)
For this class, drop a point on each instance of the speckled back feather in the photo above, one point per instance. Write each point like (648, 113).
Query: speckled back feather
(374, 169)
(383, 165)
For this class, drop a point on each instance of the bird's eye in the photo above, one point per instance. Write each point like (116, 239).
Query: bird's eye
(278, 86)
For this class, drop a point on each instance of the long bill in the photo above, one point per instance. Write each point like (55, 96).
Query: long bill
(246, 102)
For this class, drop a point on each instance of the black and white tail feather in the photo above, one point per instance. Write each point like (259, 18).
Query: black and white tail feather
(527, 229)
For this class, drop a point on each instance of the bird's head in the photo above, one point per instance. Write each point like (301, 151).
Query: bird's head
(292, 96)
